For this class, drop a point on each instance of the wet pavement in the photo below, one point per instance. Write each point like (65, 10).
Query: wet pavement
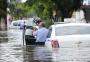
(12, 50)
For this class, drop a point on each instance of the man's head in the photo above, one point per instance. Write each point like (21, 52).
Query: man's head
(42, 24)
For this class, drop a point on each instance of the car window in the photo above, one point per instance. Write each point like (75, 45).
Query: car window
(70, 30)
(49, 33)
(30, 23)
(15, 24)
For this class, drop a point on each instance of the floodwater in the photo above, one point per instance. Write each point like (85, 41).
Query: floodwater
(13, 50)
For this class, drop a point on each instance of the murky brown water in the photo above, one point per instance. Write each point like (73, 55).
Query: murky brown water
(14, 51)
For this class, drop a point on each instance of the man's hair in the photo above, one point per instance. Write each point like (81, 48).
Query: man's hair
(42, 24)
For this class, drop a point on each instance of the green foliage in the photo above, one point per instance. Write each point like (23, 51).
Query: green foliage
(22, 10)
(44, 8)
(41, 7)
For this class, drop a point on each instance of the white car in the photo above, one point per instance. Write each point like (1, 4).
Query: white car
(18, 24)
(14, 25)
(68, 35)
(30, 22)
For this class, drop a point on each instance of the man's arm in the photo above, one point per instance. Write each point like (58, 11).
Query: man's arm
(35, 33)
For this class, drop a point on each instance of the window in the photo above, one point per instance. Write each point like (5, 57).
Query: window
(71, 30)
(49, 33)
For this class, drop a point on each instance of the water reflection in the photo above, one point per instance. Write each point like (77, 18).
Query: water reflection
(37, 54)
(10, 53)
(63, 54)
(11, 46)
(3, 36)
(3, 40)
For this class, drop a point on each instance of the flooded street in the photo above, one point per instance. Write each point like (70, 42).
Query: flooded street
(12, 50)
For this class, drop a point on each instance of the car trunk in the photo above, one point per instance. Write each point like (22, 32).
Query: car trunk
(73, 40)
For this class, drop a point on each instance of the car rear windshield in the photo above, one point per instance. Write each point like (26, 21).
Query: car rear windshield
(72, 30)
(30, 23)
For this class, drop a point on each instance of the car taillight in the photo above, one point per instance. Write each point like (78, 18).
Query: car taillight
(55, 44)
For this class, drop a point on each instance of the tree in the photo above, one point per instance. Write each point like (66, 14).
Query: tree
(3, 13)
(44, 8)
(67, 6)
(41, 7)
(3, 6)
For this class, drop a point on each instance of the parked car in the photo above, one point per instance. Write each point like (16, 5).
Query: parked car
(68, 35)
(29, 38)
(30, 22)
(18, 24)
(14, 25)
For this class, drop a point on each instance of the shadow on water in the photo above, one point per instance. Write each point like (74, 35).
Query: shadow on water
(37, 54)
(3, 36)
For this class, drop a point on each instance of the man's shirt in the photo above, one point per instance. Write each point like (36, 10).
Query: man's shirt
(41, 34)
